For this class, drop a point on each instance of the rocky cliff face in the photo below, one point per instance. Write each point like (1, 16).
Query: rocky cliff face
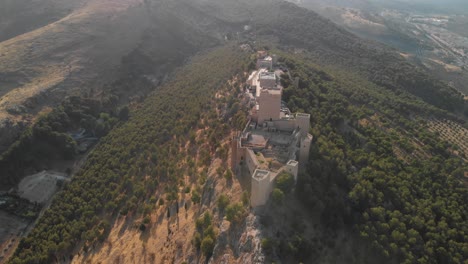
(239, 244)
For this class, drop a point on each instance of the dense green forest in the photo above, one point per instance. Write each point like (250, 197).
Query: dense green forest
(133, 161)
(50, 139)
(375, 168)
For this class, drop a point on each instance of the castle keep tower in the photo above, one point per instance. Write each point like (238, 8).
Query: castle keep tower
(269, 104)
(261, 187)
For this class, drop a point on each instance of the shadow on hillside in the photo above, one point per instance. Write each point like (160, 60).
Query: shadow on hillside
(128, 221)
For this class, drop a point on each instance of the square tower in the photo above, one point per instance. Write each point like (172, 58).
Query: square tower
(260, 187)
(267, 80)
(292, 167)
(303, 122)
(269, 105)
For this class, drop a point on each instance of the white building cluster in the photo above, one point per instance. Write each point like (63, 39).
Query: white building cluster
(274, 140)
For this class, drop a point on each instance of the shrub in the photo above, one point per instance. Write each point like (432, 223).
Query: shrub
(278, 196)
(209, 232)
(223, 201)
(207, 246)
(267, 244)
(207, 219)
(235, 212)
(228, 175)
(197, 240)
(195, 197)
(285, 182)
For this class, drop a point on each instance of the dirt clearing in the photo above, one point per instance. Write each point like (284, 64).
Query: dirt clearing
(40, 187)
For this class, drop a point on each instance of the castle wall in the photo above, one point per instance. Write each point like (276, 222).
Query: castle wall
(262, 63)
(285, 124)
(234, 153)
(262, 187)
(304, 152)
(292, 167)
(251, 161)
(267, 83)
(303, 122)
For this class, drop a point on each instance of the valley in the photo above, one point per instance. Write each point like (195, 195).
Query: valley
(433, 40)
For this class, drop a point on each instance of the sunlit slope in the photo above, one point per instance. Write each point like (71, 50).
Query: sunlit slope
(22, 16)
(68, 52)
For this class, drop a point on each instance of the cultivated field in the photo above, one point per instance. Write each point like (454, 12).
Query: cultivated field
(453, 133)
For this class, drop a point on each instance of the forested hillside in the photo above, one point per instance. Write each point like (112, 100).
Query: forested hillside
(90, 48)
(375, 168)
(298, 28)
(138, 73)
(329, 44)
(132, 162)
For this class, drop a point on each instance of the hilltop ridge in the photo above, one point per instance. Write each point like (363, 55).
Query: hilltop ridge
(37, 73)
(161, 177)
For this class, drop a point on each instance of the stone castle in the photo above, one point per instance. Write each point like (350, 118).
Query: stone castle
(274, 140)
